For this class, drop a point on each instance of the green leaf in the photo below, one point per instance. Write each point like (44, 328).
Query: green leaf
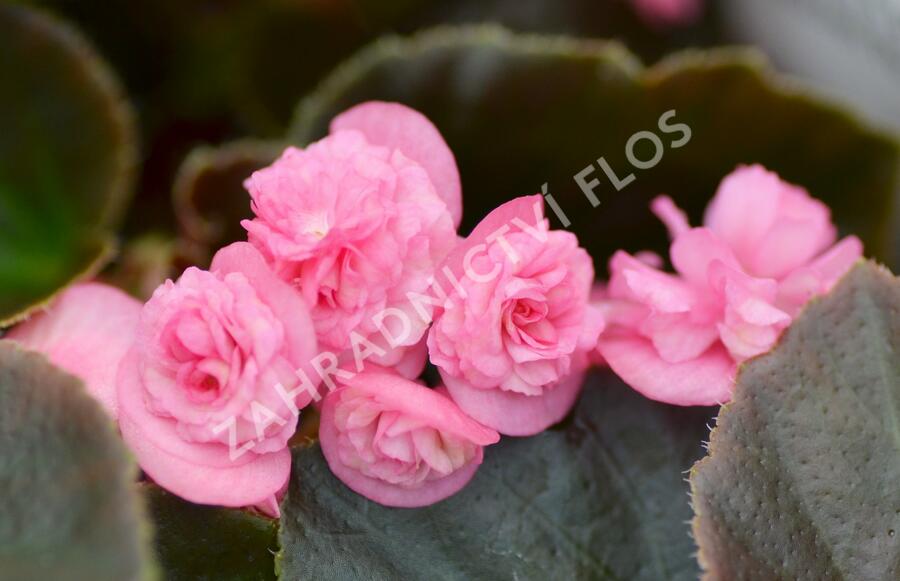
(209, 195)
(66, 159)
(523, 110)
(67, 505)
(196, 542)
(802, 477)
(602, 496)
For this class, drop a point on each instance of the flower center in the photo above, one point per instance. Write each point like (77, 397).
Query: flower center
(208, 383)
(525, 321)
(316, 226)
(395, 448)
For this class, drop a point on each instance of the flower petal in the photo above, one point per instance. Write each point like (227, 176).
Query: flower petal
(86, 331)
(416, 406)
(633, 279)
(384, 492)
(672, 216)
(744, 207)
(284, 301)
(502, 219)
(694, 250)
(201, 473)
(706, 380)
(399, 127)
(515, 414)
(417, 401)
(820, 275)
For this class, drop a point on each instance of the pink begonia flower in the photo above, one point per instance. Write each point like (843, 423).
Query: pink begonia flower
(86, 330)
(357, 221)
(512, 337)
(399, 443)
(207, 395)
(668, 13)
(767, 247)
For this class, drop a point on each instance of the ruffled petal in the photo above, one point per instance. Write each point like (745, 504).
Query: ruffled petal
(820, 275)
(285, 302)
(398, 127)
(633, 279)
(502, 219)
(694, 250)
(408, 410)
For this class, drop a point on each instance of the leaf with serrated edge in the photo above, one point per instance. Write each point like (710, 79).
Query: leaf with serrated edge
(802, 477)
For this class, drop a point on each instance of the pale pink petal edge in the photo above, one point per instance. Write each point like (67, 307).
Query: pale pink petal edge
(514, 414)
(437, 410)
(200, 473)
(86, 331)
(400, 127)
(706, 380)
(380, 491)
(500, 220)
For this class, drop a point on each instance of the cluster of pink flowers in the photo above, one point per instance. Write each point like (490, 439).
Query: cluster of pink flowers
(354, 275)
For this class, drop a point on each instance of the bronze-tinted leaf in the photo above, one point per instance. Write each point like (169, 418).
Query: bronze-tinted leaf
(67, 156)
(209, 195)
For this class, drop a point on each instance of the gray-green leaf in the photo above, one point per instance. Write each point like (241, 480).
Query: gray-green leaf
(803, 477)
(67, 504)
(603, 496)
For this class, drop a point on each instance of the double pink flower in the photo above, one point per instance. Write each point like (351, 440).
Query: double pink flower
(359, 220)
(398, 442)
(192, 376)
(766, 248)
(511, 339)
(203, 393)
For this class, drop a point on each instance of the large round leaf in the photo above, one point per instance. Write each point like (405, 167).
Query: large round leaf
(196, 542)
(66, 158)
(67, 505)
(520, 111)
(802, 477)
(601, 497)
